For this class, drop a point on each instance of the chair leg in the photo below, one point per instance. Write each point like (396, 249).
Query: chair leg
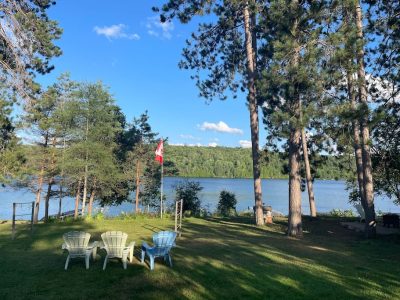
(142, 256)
(105, 262)
(124, 259)
(151, 263)
(94, 253)
(67, 262)
(170, 260)
(87, 257)
(131, 254)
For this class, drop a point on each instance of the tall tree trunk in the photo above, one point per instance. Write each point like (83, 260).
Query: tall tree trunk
(370, 222)
(357, 142)
(137, 186)
(85, 179)
(91, 199)
(310, 188)
(38, 194)
(51, 179)
(295, 222)
(84, 197)
(47, 198)
(77, 198)
(251, 52)
(61, 180)
(40, 182)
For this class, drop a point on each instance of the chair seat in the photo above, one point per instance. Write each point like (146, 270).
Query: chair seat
(77, 245)
(163, 242)
(114, 244)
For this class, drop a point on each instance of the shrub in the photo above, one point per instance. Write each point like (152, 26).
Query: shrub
(227, 204)
(189, 192)
(342, 213)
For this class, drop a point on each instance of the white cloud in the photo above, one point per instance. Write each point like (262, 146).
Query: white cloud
(159, 29)
(116, 32)
(189, 137)
(245, 144)
(176, 144)
(212, 145)
(220, 127)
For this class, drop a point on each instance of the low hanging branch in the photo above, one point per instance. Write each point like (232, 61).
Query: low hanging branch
(26, 43)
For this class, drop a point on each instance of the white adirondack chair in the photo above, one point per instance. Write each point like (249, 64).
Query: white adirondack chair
(360, 211)
(114, 244)
(77, 245)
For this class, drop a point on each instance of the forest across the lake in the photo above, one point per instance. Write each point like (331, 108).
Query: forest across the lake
(226, 162)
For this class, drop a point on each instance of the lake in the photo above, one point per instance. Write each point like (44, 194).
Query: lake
(329, 194)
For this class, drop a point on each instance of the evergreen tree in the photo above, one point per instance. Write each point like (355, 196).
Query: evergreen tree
(139, 141)
(293, 82)
(227, 50)
(90, 158)
(26, 43)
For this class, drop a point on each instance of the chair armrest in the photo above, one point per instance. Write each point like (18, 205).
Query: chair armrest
(92, 245)
(146, 246)
(64, 246)
(131, 245)
(101, 245)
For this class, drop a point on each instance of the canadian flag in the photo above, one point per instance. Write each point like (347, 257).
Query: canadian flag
(159, 152)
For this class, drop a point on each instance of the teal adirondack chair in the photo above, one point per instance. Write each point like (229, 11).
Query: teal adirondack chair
(163, 242)
(114, 244)
(77, 245)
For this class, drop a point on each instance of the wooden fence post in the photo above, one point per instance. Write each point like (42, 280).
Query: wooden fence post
(178, 217)
(33, 209)
(13, 221)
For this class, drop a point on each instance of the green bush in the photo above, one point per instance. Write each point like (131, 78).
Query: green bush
(342, 213)
(227, 204)
(189, 192)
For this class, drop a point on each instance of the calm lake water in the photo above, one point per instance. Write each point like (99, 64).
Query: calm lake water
(329, 194)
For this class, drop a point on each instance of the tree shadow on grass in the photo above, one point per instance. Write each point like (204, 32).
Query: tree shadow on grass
(214, 259)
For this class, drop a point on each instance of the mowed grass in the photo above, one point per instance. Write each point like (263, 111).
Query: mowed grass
(214, 259)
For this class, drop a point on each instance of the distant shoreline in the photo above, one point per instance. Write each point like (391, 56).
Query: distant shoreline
(273, 178)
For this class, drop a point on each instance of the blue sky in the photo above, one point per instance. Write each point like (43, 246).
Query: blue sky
(123, 44)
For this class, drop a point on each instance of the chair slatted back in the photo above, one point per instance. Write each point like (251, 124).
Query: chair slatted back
(163, 242)
(114, 242)
(77, 242)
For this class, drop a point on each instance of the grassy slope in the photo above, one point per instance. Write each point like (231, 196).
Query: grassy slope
(214, 259)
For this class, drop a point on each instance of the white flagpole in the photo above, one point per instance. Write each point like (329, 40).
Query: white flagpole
(162, 186)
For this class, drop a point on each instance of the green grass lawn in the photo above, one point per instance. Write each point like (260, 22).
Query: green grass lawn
(214, 259)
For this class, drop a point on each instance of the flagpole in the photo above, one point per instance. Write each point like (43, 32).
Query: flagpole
(162, 186)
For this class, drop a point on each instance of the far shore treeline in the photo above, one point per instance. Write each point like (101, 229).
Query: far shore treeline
(226, 162)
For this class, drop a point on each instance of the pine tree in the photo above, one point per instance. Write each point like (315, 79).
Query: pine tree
(138, 145)
(90, 158)
(27, 43)
(292, 85)
(225, 49)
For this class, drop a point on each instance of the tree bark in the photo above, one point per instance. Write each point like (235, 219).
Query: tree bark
(295, 222)
(38, 194)
(357, 142)
(77, 198)
(84, 197)
(251, 53)
(51, 180)
(47, 198)
(86, 171)
(310, 188)
(40, 182)
(61, 180)
(91, 199)
(137, 186)
(370, 222)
